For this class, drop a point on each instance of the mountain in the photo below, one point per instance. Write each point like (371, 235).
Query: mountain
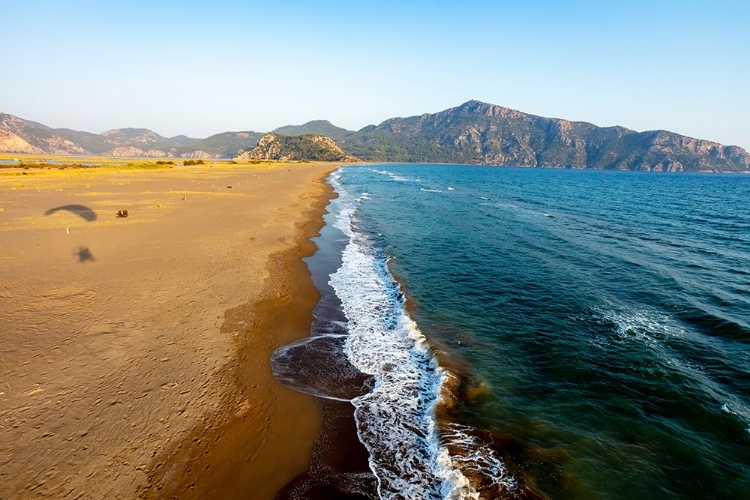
(472, 133)
(308, 147)
(317, 127)
(23, 136)
(486, 134)
(93, 143)
(183, 140)
(229, 144)
(39, 136)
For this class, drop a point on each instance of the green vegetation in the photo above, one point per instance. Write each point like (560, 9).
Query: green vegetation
(315, 127)
(43, 165)
(382, 145)
(227, 144)
(306, 148)
(26, 165)
(193, 162)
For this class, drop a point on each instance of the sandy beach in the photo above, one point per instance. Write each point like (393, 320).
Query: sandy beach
(134, 351)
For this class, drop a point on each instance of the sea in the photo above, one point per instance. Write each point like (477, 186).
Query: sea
(489, 332)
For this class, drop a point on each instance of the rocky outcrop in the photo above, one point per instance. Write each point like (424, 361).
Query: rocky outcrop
(11, 143)
(309, 147)
(486, 134)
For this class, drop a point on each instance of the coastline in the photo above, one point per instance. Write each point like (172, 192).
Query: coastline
(263, 436)
(139, 359)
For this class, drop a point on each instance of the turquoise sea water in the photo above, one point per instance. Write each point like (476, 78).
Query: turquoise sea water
(579, 334)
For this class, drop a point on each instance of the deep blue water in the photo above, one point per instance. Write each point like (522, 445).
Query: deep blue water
(599, 323)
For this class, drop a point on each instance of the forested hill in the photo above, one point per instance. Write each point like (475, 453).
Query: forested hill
(316, 127)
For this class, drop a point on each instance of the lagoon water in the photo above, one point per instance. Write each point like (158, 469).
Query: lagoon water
(577, 334)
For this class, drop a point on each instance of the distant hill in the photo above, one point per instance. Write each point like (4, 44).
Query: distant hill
(309, 147)
(93, 143)
(317, 127)
(229, 144)
(472, 133)
(183, 140)
(23, 136)
(485, 134)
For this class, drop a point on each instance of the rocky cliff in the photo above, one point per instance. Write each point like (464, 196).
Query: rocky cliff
(485, 134)
(309, 147)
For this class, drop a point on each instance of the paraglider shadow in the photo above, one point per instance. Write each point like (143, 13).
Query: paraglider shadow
(84, 212)
(84, 254)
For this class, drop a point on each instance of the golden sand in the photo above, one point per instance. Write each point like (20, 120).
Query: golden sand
(134, 352)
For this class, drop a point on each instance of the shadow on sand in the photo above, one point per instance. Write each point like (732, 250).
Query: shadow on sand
(84, 254)
(80, 210)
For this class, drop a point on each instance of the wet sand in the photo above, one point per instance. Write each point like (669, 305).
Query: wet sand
(134, 352)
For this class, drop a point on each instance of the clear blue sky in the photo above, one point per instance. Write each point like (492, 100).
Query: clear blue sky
(203, 67)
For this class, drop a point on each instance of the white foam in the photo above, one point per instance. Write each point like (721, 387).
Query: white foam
(395, 177)
(396, 421)
(645, 325)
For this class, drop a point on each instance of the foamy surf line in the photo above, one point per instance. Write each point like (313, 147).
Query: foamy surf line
(409, 453)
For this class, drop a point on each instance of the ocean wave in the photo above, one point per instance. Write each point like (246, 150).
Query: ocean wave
(409, 452)
(395, 177)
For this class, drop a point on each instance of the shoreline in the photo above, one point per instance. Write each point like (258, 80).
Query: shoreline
(340, 467)
(139, 359)
(245, 447)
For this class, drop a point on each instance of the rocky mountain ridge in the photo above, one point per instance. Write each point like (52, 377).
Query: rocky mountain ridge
(472, 133)
(486, 134)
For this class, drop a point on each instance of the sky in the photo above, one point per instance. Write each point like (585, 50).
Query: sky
(203, 67)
